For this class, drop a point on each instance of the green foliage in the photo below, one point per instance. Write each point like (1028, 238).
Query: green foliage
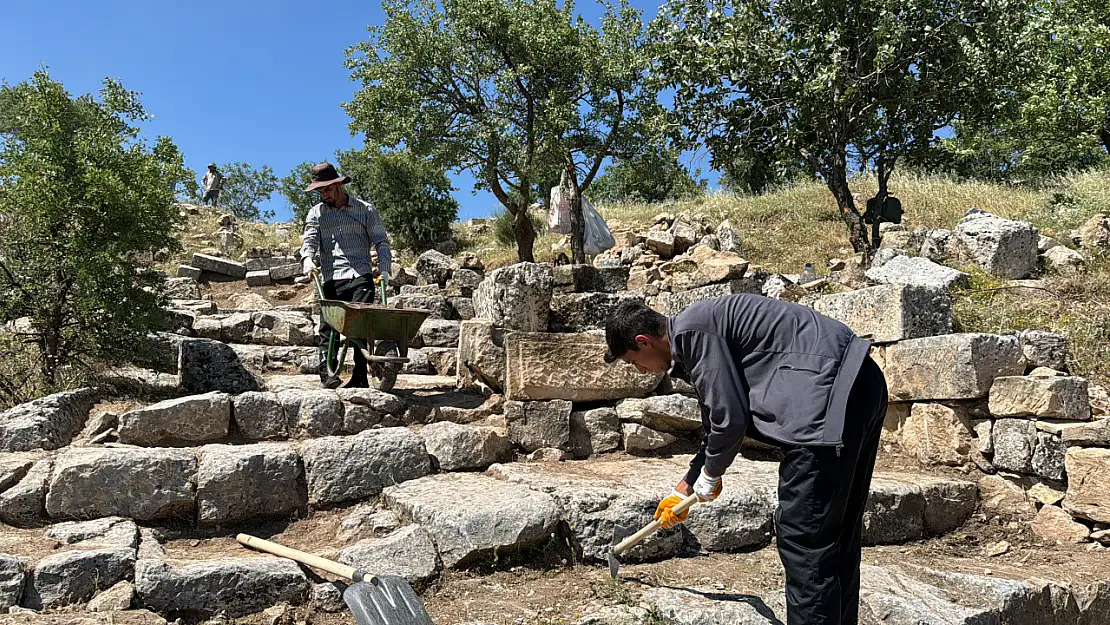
(245, 188)
(828, 84)
(411, 193)
(1057, 118)
(509, 89)
(293, 186)
(82, 199)
(649, 177)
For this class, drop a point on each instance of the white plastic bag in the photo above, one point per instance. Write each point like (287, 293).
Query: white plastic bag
(558, 217)
(597, 237)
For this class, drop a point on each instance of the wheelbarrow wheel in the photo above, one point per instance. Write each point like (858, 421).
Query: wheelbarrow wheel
(383, 375)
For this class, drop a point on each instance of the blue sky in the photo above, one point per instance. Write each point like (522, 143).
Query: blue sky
(260, 82)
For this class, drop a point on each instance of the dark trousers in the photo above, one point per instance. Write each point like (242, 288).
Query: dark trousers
(819, 522)
(212, 196)
(349, 290)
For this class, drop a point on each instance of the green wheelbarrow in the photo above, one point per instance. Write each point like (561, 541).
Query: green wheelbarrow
(380, 331)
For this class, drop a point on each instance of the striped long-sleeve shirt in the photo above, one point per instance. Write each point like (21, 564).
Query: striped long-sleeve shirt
(343, 236)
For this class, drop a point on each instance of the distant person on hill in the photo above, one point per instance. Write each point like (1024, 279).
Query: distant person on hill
(213, 182)
(785, 375)
(342, 229)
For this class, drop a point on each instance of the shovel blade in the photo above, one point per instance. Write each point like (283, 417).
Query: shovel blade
(614, 565)
(385, 600)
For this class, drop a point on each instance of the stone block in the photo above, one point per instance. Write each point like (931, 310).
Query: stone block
(1094, 433)
(437, 304)
(578, 312)
(594, 432)
(1003, 247)
(575, 279)
(498, 517)
(1006, 495)
(259, 416)
(953, 366)
(258, 278)
(178, 422)
(221, 266)
(351, 468)
(1088, 474)
(1055, 525)
(673, 303)
(241, 483)
(516, 297)
(75, 575)
(443, 360)
(940, 434)
(285, 272)
(274, 327)
(637, 439)
(918, 271)
(46, 423)
(435, 267)
(541, 366)
(235, 587)
(13, 577)
(407, 552)
(481, 354)
(1014, 443)
(661, 242)
(438, 333)
(205, 365)
(181, 288)
(188, 271)
(893, 312)
(455, 447)
(1044, 349)
(666, 413)
(143, 484)
(24, 504)
(538, 424)
(894, 513)
(1059, 397)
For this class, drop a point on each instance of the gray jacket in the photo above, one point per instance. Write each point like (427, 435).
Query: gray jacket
(782, 368)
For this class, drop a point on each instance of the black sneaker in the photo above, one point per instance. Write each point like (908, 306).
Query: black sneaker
(332, 383)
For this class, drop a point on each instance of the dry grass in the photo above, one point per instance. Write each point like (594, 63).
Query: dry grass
(197, 234)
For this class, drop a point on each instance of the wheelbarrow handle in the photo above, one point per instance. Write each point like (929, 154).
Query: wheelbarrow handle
(335, 568)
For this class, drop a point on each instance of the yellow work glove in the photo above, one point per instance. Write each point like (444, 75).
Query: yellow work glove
(664, 513)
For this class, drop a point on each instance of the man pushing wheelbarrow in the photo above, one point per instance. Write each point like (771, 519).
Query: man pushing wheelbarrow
(342, 229)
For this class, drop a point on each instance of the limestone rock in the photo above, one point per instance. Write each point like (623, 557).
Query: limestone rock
(674, 303)
(461, 307)
(284, 272)
(639, 439)
(918, 271)
(234, 586)
(116, 599)
(1088, 474)
(666, 413)
(685, 235)
(438, 333)
(437, 304)
(537, 424)
(313, 413)
(498, 516)
(615, 615)
(463, 282)
(24, 504)
(13, 577)
(576, 279)
(1003, 247)
(349, 468)
(895, 512)
(258, 278)
(408, 553)
(1005, 495)
(435, 268)
(75, 575)
(239, 483)
(443, 360)
(1095, 233)
(1064, 259)
(1044, 349)
(259, 416)
(182, 287)
(1014, 443)
(143, 484)
(517, 297)
(542, 366)
(188, 271)
(1053, 524)
(728, 238)
(1094, 433)
(103, 532)
(221, 266)
(1061, 397)
(892, 312)
(273, 327)
(594, 432)
(953, 366)
(206, 365)
(418, 363)
(326, 597)
(661, 242)
(178, 422)
(46, 423)
(940, 434)
(1049, 456)
(463, 447)
(366, 521)
(481, 354)
(705, 607)
(577, 312)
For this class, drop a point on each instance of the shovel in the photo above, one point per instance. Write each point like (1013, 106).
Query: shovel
(648, 530)
(373, 599)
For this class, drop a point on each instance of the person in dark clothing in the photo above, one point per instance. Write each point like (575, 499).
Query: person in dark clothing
(784, 374)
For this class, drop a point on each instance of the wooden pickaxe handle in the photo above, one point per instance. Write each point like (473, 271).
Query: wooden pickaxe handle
(652, 527)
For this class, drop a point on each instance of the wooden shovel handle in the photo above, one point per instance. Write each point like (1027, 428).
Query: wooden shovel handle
(323, 564)
(652, 527)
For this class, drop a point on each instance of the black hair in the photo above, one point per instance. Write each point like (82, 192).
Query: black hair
(630, 319)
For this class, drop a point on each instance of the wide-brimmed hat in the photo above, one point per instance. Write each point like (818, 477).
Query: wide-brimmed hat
(325, 174)
(211, 166)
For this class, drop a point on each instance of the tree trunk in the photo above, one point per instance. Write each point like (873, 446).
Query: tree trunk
(525, 234)
(577, 223)
(837, 183)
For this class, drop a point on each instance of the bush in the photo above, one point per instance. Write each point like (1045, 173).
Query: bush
(245, 188)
